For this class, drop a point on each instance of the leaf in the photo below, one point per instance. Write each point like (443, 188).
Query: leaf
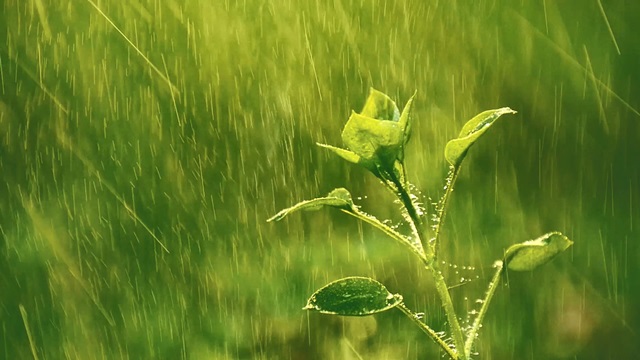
(353, 296)
(456, 149)
(380, 106)
(405, 123)
(350, 156)
(340, 198)
(375, 138)
(342, 193)
(530, 254)
(375, 141)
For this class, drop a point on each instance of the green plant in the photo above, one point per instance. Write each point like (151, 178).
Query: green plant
(375, 139)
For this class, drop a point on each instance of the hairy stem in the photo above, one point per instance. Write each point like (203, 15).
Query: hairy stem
(429, 331)
(430, 263)
(416, 222)
(477, 323)
(447, 304)
(385, 229)
(441, 210)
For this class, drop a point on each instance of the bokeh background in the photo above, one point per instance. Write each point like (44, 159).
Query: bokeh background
(143, 145)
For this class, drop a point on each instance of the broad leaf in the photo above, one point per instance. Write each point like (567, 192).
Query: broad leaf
(533, 253)
(340, 198)
(456, 149)
(375, 141)
(353, 296)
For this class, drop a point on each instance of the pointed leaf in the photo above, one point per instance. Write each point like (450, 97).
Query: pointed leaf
(456, 149)
(405, 120)
(380, 106)
(533, 253)
(350, 156)
(340, 198)
(353, 296)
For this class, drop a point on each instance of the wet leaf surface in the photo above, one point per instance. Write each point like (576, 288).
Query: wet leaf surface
(353, 296)
(456, 149)
(531, 254)
(339, 198)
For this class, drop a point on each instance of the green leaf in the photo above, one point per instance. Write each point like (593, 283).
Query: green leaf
(342, 193)
(380, 106)
(405, 123)
(375, 137)
(353, 296)
(530, 254)
(375, 141)
(340, 198)
(350, 156)
(456, 149)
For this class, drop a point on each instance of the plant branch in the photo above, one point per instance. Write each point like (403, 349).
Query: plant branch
(385, 229)
(441, 210)
(416, 221)
(477, 323)
(447, 304)
(429, 331)
(428, 260)
(430, 263)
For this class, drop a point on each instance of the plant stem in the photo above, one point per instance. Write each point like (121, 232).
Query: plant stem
(447, 304)
(430, 263)
(442, 204)
(429, 331)
(477, 323)
(416, 221)
(387, 230)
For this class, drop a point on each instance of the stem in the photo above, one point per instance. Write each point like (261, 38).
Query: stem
(429, 331)
(416, 222)
(477, 323)
(430, 263)
(442, 204)
(385, 229)
(447, 304)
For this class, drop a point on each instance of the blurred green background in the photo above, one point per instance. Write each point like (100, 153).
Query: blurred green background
(143, 144)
